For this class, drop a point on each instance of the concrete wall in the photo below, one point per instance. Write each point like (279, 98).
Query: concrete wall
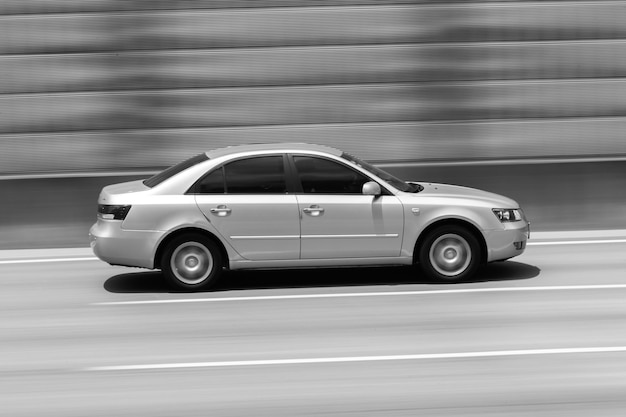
(106, 84)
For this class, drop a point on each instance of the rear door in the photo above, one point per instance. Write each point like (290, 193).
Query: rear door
(338, 221)
(247, 201)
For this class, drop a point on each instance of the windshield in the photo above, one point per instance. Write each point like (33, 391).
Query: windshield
(387, 177)
(173, 170)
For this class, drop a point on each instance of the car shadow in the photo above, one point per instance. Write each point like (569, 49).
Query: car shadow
(153, 281)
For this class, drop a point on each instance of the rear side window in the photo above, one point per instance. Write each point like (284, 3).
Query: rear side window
(262, 175)
(173, 170)
(213, 183)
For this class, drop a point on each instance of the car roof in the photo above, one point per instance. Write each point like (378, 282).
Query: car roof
(277, 147)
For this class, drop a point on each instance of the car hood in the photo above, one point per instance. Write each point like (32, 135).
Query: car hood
(456, 191)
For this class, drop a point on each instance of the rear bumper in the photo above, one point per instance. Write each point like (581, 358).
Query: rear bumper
(117, 246)
(508, 242)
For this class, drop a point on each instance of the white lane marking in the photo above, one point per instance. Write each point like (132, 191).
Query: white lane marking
(363, 294)
(346, 359)
(575, 242)
(46, 260)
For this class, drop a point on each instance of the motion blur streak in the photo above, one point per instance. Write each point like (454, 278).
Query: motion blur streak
(105, 84)
(460, 355)
(365, 294)
(578, 242)
(39, 261)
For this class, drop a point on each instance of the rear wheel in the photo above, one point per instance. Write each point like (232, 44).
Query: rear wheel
(191, 262)
(449, 254)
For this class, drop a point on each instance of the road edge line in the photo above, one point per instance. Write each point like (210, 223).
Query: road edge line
(347, 359)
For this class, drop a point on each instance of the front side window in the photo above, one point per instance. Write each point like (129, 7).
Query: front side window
(390, 179)
(262, 175)
(323, 176)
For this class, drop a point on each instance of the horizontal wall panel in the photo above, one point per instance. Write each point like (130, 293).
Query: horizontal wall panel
(69, 6)
(508, 21)
(59, 73)
(377, 142)
(57, 33)
(530, 21)
(206, 29)
(311, 105)
(384, 24)
(210, 108)
(8, 7)
(310, 66)
(49, 113)
(530, 60)
(217, 68)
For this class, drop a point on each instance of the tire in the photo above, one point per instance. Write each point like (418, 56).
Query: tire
(449, 254)
(191, 262)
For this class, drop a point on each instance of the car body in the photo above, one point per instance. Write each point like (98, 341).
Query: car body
(299, 205)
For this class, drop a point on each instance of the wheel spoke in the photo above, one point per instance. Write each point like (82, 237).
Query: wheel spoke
(450, 255)
(191, 263)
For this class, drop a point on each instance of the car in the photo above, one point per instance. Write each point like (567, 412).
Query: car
(299, 205)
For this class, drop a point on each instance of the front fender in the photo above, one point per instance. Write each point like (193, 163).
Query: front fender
(417, 222)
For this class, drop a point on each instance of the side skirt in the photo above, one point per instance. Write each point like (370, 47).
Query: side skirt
(319, 263)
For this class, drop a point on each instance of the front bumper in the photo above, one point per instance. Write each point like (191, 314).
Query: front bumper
(117, 246)
(508, 242)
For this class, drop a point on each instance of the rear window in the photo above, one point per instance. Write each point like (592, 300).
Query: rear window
(173, 170)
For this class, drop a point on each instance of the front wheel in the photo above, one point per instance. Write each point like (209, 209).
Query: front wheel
(191, 262)
(449, 254)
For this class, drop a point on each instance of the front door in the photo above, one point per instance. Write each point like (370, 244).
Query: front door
(337, 220)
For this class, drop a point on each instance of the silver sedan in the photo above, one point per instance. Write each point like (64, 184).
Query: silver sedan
(298, 205)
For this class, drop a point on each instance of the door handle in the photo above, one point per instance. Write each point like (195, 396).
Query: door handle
(220, 211)
(313, 211)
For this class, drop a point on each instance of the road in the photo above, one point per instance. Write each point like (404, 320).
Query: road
(542, 335)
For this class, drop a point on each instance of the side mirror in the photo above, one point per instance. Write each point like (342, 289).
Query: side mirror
(372, 188)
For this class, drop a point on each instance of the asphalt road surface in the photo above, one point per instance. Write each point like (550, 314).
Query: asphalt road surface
(541, 335)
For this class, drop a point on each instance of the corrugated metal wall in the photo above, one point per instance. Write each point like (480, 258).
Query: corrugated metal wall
(106, 84)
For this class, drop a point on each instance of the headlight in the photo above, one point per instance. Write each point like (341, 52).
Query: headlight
(508, 215)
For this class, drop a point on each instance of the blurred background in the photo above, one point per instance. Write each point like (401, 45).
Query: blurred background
(523, 98)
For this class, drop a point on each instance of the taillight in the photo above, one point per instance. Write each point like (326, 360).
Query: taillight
(109, 212)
